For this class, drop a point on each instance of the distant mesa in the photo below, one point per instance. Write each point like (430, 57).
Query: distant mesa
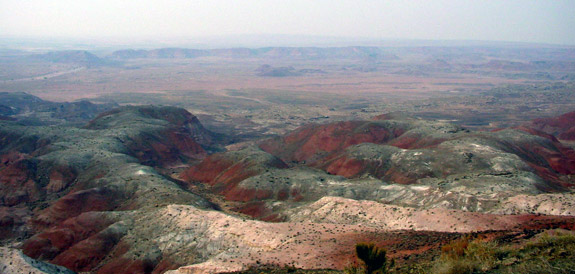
(129, 54)
(507, 65)
(29, 109)
(269, 71)
(300, 53)
(75, 57)
(312, 71)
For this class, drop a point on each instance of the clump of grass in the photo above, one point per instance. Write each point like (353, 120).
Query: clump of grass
(466, 255)
(456, 249)
(484, 254)
(547, 253)
(550, 252)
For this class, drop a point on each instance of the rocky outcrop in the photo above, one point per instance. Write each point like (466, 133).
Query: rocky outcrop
(389, 217)
(560, 204)
(323, 234)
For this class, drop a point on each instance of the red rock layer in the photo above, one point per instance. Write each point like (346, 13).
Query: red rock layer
(562, 126)
(74, 204)
(310, 142)
(17, 176)
(59, 238)
(223, 173)
(171, 147)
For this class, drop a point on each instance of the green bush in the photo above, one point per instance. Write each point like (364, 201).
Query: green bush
(373, 257)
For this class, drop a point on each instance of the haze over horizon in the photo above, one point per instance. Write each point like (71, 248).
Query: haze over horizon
(548, 22)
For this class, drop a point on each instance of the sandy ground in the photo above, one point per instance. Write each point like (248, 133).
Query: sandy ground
(314, 238)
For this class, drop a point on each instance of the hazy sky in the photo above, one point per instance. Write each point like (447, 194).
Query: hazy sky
(546, 21)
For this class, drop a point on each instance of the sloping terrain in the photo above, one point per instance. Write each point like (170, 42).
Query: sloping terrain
(419, 175)
(148, 189)
(94, 199)
(417, 163)
(31, 110)
(393, 159)
(13, 261)
(563, 127)
(50, 176)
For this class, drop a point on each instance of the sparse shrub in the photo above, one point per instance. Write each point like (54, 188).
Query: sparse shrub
(549, 252)
(483, 254)
(466, 256)
(547, 240)
(456, 249)
(374, 258)
(289, 268)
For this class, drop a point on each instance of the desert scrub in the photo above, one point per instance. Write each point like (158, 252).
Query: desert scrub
(467, 255)
(548, 252)
(456, 248)
(373, 258)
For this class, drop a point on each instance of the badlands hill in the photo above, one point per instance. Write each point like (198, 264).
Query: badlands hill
(563, 127)
(407, 162)
(143, 189)
(63, 184)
